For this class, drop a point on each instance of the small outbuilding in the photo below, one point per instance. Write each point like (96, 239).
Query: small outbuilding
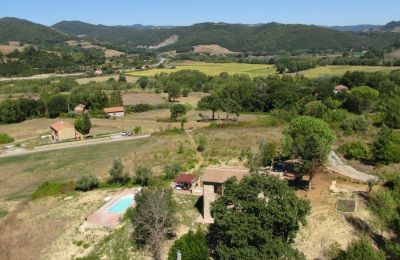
(115, 111)
(340, 89)
(80, 109)
(185, 181)
(98, 72)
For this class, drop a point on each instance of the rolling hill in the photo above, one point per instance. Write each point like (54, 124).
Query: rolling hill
(14, 29)
(270, 37)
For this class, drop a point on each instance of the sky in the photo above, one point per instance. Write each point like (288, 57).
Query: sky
(187, 12)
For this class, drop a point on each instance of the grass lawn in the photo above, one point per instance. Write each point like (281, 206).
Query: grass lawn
(213, 69)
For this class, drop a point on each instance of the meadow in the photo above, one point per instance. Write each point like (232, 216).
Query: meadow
(255, 70)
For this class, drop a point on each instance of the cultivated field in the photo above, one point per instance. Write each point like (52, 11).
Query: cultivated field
(341, 69)
(252, 70)
(255, 70)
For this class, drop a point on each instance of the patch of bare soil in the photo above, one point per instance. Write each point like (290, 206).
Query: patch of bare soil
(49, 228)
(211, 49)
(325, 225)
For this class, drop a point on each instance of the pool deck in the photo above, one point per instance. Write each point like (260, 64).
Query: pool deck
(102, 217)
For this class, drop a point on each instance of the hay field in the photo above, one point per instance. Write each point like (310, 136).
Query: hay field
(134, 98)
(339, 70)
(213, 69)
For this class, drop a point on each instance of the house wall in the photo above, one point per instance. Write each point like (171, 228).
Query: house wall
(208, 198)
(66, 133)
(116, 114)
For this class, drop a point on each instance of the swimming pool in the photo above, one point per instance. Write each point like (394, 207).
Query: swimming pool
(122, 204)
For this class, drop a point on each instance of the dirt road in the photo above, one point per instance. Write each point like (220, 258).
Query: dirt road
(43, 76)
(337, 165)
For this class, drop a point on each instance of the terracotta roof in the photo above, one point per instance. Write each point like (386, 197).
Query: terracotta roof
(186, 178)
(80, 107)
(341, 87)
(113, 109)
(57, 126)
(221, 175)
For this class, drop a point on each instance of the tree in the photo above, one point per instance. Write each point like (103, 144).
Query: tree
(391, 112)
(230, 106)
(211, 102)
(309, 139)
(143, 175)
(83, 124)
(316, 109)
(256, 218)
(121, 78)
(384, 147)
(362, 99)
(86, 182)
(177, 111)
(192, 246)
(361, 249)
(56, 105)
(143, 82)
(383, 206)
(115, 98)
(174, 91)
(117, 172)
(172, 170)
(154, 218)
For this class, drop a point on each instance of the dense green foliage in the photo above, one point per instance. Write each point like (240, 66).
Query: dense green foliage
(266, 38)
(386, 147)
(143, 175)
(192, 246)
(83, 124)
(177, 111)
(5, 139)
(86, 182)
(256, 218)
(171, 170)
(117, 172)
(355, 150)
(361, 249)
(15, 111)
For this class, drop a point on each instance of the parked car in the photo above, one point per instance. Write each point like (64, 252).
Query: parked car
(178, 187)
(123, 133)
(129, 133)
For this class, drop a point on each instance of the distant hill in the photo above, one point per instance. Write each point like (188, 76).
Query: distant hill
(141, 26)
(235, 37)
(391, 27)
(355, 28)
(14, 29)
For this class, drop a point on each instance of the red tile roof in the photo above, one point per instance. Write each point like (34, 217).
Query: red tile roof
(113, 109)
(57, 126)
(186, 178)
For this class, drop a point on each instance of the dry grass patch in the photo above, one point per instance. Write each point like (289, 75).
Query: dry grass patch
(129, 79)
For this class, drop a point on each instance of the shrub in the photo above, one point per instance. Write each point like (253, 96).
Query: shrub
(143, 175)
(86, 182)
(137, 130)
(355, 150)
(355, 124)
(47, 189)
(191, 245)
(171, 170)
(202, 142)
(5, 139)
(117, 172)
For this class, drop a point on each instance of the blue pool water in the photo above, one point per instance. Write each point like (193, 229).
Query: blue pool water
(122, 204)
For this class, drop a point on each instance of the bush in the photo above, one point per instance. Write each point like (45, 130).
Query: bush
(143, 175)
(117, 172)
(172, 170)
(202, 142)
(191, 245)
(355, 124)
(86, 182)
(355, 150)
(137, 129)
(5, 139)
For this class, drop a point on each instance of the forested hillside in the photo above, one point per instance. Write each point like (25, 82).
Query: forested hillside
(14, 29)
(270, 37)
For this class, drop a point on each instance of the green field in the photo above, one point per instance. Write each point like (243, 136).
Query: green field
(212, 69)
(254, 70)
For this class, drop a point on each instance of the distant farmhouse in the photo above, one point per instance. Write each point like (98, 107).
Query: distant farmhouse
(61, 131)
(114, 111)
(80, 109)
(340, 89)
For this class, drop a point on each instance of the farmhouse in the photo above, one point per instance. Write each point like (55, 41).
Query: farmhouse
(115, 111)
(80, 109)
(186, 181)
(340, 89)
(213, 186)
(61, 131)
